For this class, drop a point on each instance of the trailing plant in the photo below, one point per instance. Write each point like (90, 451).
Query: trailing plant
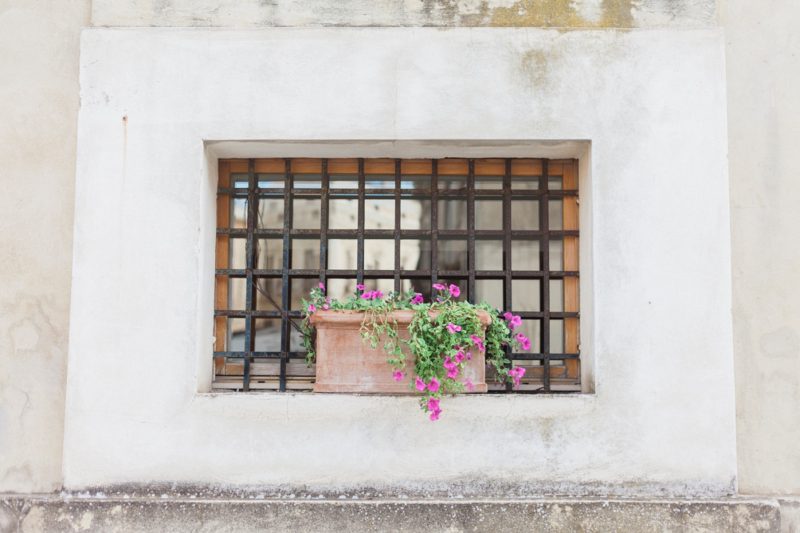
(443, 335)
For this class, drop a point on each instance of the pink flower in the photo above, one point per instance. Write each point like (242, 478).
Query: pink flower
(326, 307)
(398, 376)
(360, 286)
(459, 356)
(433, 386)
(513, 320)
(452, 373)
(417, 299)
(312, 308)
(448, 363)
(453, 328)
(419, 384)
(524, 341)
(477, 341)
(516, 374)
(454, 290)
(469, 356)
(439, 286)
(321, 286)
(366, 295)
(377, 294)
(469, 385)
(434, 409)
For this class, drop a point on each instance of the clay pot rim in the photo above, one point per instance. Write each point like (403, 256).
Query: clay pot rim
(351, 316)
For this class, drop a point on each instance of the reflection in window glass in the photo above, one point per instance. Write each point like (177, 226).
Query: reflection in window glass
(557, 295)
(555, 216)
(342, 254)
(305, 253)
(556, 254)
(556, 336)
(379, 214)
(306, 213)
(489, 291)
(488, 255)
(270, 213)
(268, 335)
(526, 294)
(452, 254)
(342, 214)
(415, 214)
(415, 254)
(379, 254)
(525, 255)
(524, 214)
(452, 214)
(488, 214)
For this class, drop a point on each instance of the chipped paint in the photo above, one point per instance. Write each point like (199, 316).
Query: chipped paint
(563, 14)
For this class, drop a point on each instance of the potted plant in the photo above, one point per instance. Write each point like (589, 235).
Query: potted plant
(398, 343)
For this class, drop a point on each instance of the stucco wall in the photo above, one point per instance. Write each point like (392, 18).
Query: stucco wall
(763, 55)
(652, 105)
(38, 114)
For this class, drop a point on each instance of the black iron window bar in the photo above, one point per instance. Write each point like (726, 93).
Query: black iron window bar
(249, 187)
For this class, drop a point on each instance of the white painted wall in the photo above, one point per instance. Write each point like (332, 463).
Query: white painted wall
(652, 103)
(38, 114)
(763, 55)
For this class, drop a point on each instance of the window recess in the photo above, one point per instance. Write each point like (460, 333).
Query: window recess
(506, 230)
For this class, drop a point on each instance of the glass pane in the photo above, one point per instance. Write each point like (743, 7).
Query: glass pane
(416, 182)
(556, 336)
(374, 181)
(235, 341)
(488, 255)
(271, 181)
(379, 254)
(452, 182)
(295, 338)
(269, 254)
(422, 286)
(268, 295)
(342, 214)
(452, 214)
(238, 253)
(554, 183)
(343, 181)
(526, 295)
(557, 295)
(531, 329)
(237, 294)
(415, 214)
(524, 183)
(489, 214)
(268, 335)
(525, 214)
(307, 181)
(489, 291)
(489, 182)
(555, 216)
(342, 254)
(305, 253)
(379, 214)
(340, 289)
(270, 213)
(556, 254)
(239, 213)
(306, 213)
(453, 255)
(415, 254)
(301, 287)
(385, 285)
(525, 255)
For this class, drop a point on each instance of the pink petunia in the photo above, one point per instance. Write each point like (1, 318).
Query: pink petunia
(433, 404)
(469, 356)
(419, 384)
(360, 286)
(469, 385)
(417, 299)
(312, 308)
(398, 376)
(448, 363)
(366, 295)
(435, 415)
(478, 342)
(321, 286)
(453, 328)
(326, 307)
(452, 373)
(516, 374)
(459, 356)
(455, 292)
(433, 386)
(377, 294)
(507, 315)
(439, 286)
(523, 341)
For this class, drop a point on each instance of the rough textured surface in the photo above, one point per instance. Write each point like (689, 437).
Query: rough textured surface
(168, 514)
(652, 426)
(790, 515)
(38, 113)
(763, 50)
(445, 13)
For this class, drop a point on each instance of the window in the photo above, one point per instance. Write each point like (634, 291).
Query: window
(506, 230)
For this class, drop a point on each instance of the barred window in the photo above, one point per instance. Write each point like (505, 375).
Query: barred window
(506, 230)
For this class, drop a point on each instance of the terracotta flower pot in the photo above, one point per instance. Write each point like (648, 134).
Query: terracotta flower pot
(345, 363)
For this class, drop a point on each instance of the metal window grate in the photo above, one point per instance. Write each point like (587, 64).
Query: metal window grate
(506, 230)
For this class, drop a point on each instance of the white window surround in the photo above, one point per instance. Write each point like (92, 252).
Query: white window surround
(662, 417)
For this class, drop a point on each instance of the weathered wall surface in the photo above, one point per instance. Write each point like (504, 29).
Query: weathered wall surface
(39, 44)
(763, 55)
(446, 13)
(651, 102)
